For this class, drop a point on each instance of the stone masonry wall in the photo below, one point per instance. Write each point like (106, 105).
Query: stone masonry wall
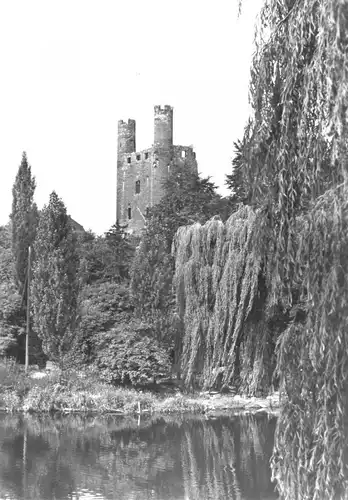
(140, 175)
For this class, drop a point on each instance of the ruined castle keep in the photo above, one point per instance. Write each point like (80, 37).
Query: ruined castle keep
(140, 175)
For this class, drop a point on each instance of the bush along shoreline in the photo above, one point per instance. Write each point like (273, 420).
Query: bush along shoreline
(76, 392)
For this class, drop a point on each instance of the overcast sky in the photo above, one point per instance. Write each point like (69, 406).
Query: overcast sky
(70, 69)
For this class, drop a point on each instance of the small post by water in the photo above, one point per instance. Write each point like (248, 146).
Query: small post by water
(28, 314)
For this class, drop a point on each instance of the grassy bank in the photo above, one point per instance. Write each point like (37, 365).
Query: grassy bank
(42, 392)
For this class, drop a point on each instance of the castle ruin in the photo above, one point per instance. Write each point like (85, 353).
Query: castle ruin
(140, 175)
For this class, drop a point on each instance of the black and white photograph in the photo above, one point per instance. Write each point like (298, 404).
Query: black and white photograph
(174, 250)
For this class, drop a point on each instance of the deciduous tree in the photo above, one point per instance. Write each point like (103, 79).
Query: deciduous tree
(187, 198)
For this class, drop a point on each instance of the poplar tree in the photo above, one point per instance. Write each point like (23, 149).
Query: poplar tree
(55, 279)
(24, 217)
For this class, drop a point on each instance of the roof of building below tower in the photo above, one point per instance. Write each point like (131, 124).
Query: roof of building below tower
(76, 226)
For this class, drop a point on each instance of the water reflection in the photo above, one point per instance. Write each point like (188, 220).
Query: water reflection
(113, 458)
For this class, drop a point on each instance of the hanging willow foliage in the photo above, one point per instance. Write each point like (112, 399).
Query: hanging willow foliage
(217, 275)
(313, 360)
(295, 145)
(296, 163)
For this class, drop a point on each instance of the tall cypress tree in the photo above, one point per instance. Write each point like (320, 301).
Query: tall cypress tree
(55, 279)
(24, 218)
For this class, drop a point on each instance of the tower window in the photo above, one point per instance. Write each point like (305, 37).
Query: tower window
(146, 156)
(138, 157)
(129, 159)
(147, 211)
(183, 154)
(129, 212)
(137, 187)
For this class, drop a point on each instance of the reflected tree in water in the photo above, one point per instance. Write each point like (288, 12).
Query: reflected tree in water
(163, 458)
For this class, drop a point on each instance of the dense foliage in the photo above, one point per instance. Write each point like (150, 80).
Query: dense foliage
(105, 258)
(188, 198)
(219, 294)
(129, 354)
(101, 307)
(121, 247)
(293, 162)
(11, 312)
(54, 287)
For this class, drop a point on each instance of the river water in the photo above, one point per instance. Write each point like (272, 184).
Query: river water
(171, 458)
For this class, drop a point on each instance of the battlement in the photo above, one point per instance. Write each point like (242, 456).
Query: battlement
(163, 127)
(126, 136)
(163, 109)
(127, 123)
(131, 157)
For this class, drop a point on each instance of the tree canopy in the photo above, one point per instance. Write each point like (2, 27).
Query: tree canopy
(187, 198)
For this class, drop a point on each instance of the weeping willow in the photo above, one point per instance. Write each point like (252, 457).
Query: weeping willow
(291, 241)
(311, 456)
(295, 166)
(295, 145)
(217, 281)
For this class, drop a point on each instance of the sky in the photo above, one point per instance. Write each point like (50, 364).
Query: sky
(70, 69)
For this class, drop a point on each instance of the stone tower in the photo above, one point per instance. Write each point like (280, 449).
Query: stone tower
(140, 175)
(126, 137)
(163, 129)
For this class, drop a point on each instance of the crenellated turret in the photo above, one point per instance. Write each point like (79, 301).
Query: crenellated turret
(163, 129)
(126, 137)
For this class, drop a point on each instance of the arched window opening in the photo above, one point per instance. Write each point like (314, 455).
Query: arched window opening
(129, 212)
(137, 187)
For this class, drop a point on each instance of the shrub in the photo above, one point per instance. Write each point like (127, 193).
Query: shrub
(130, 354)
(101, 307)
(11, 374)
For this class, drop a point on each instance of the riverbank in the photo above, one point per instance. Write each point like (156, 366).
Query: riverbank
(41, 392)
